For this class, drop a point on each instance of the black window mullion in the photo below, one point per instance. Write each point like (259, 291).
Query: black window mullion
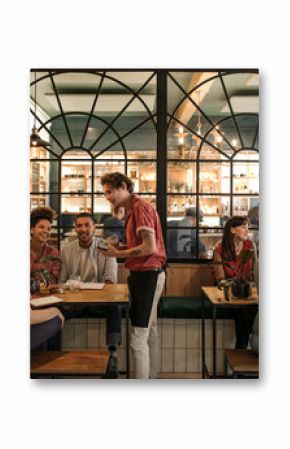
(197, 209)
(92, 186)
(59, 215)
(231, 188)
(161, 183)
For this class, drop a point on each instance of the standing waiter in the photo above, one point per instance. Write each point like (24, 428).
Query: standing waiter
(145, 257)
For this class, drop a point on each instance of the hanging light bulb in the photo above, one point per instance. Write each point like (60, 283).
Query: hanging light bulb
(181, 141)
(35, 139)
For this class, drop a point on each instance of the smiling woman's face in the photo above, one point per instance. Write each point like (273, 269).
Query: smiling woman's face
(241, 232)
(41, 230)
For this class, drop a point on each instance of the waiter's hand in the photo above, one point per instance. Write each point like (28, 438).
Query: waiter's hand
(110, 252)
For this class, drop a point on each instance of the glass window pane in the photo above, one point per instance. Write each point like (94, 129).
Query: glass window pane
(215, 210)
(242, 204)
(247, 124)
(43, 176)
(98, 135)
(76, 177)
(143, 138)
(177, 205)
(209, 152)
(214, 177)
(182, 243)
(235, 83)
(76, 154)
(247, 155)
(102, 207)
(196, 84)
(180, 143)
(181, 177)
(74, 204)
(118, 93)
(40, 153)
(117, 153)
(67, 236)
(109, 141)
(142, 154)
(150, 199)
(101, 168)
(40, 200)
(209, 238)
(76, 91)
(143, 176)
(246, 178)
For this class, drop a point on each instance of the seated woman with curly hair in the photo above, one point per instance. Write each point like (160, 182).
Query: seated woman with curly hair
(46, 323)
(40, 225)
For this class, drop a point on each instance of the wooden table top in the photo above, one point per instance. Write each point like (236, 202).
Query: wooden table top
(111, 293)
(216, 297)
(69, 362)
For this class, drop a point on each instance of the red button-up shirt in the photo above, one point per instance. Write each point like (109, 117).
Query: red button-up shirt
(143, 216)
(245, 269)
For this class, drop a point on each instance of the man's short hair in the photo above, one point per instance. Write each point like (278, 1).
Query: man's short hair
(84, 215)
(192, 212)
(116, 180)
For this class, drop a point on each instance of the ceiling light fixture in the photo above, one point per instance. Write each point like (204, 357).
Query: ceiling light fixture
(181, 146)
(35, 139)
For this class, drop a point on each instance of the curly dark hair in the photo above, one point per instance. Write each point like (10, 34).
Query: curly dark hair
(228, 245)
(116, 180)
(41, 213)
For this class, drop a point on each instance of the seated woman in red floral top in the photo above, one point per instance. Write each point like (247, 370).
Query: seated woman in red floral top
(40, 224)
(235, 239)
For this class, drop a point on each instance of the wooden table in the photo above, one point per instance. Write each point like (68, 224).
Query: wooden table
(110, 294)
(216, 297)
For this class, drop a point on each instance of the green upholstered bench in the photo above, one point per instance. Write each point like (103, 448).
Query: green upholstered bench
(188, 307)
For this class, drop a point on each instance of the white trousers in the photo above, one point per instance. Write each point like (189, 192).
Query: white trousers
(144, 340)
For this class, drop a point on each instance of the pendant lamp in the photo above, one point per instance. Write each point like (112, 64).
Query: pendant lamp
(35, 139)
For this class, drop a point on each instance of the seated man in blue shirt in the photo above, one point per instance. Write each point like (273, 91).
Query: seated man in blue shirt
(114, 226)
(181, 243)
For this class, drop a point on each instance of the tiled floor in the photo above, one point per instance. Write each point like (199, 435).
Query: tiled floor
(179, 341)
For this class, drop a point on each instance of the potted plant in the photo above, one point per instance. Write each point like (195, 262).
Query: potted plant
(240, 283)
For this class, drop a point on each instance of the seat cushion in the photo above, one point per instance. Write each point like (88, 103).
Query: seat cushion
(188, 307)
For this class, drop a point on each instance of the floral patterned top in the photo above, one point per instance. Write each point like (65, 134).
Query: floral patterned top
(52, 266)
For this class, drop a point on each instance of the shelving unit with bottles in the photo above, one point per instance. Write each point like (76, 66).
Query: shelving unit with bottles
(39, 177)
(77, 181)
(246, 178)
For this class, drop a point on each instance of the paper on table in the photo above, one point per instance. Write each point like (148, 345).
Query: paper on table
(45, 301)
(92, 285)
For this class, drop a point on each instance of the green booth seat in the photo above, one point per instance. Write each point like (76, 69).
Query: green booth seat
(188, 307)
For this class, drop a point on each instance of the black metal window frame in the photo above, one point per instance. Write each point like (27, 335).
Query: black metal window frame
(161, 121)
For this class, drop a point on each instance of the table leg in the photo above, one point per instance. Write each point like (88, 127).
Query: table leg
(127, 343)
(214, 369)
(202, 335)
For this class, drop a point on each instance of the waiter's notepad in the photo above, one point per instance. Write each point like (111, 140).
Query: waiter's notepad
(92, 285)
(45, 301)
